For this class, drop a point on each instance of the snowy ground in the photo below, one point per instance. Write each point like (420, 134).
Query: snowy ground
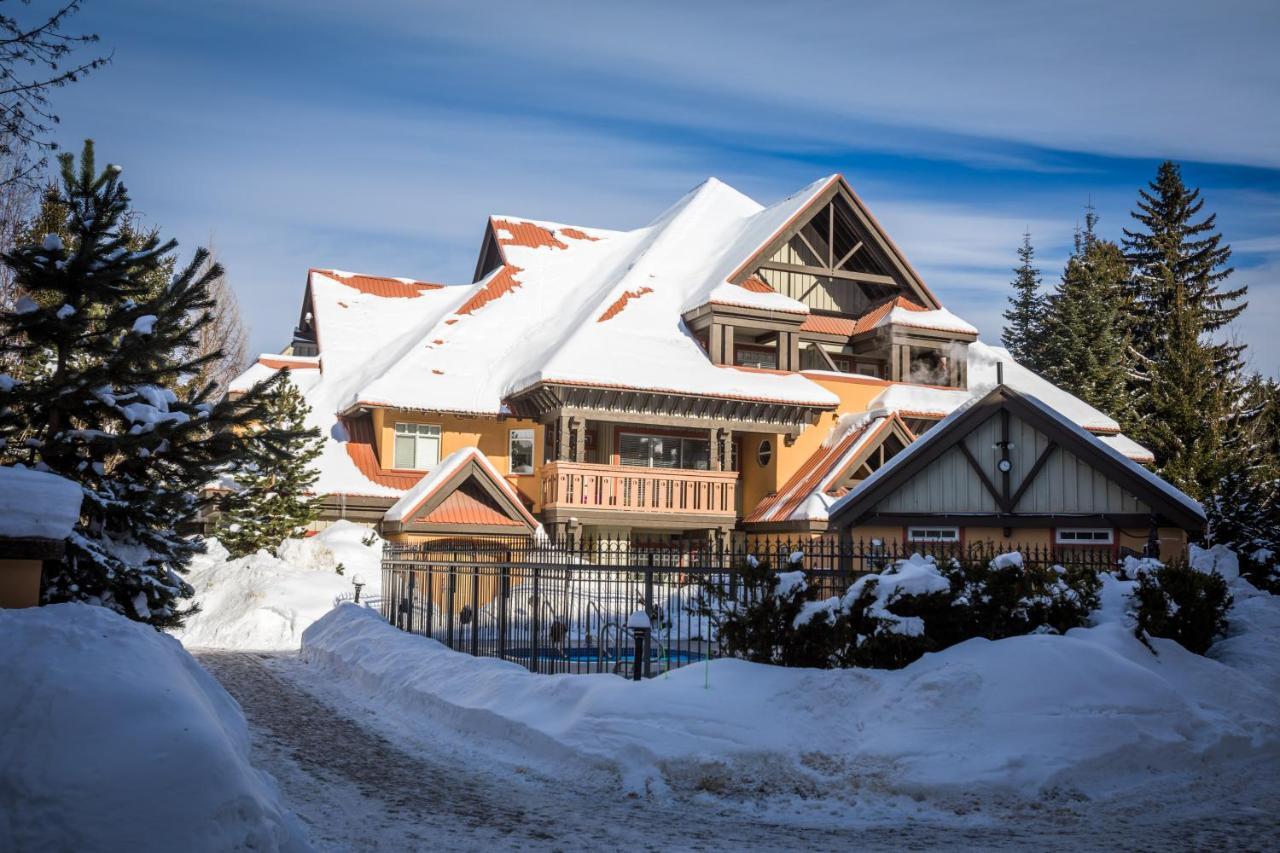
(1084, 742)
(115, 739)
(362, 778)
(265, 603)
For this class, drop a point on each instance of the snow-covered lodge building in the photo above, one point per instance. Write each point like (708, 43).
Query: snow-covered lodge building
(729, 367)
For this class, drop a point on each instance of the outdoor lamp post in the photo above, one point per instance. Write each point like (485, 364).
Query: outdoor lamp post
(639, 625)
(358, 583)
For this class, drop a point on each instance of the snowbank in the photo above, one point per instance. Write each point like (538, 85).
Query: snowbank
(115, 738)
(37, 505)
(264, 602)
(1093, 710)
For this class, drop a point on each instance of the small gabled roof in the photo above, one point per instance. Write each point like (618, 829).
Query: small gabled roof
(809, 492)
(1162, 496)
(463, 492)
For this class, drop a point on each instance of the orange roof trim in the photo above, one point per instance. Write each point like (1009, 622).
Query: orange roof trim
(756, 285)
(283, 361)
(621, 302)
(377, 285)
(500, 285)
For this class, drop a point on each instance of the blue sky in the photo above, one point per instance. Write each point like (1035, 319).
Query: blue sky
(378, 136)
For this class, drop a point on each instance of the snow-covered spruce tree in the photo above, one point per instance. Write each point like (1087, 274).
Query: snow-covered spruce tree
(1184, 385)
(1024, 318)
(1084, 336)
(273, 501)
(103, 349)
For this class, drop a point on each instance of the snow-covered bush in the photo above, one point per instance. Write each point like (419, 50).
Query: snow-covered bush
(763, 616)
(1007, 597)
(891, 618)
(1181, 603)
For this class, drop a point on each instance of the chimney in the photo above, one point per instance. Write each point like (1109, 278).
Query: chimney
(999, 372)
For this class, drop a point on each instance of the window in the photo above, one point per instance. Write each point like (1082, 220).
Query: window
(933, 534)
(764, 453)
(521, 451)
(749, 356)
(664, 451)
(417, 446)
(867, 368)
(1085, 536)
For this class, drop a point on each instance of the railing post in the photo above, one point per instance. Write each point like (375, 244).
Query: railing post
(535, 605)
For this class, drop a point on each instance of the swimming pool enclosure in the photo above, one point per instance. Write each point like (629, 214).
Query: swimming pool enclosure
(564, 608)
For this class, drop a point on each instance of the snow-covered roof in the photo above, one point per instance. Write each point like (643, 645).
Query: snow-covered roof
(572, 305)
(415, 498)
(590, 307)
(37, 505)
(940, 430)
(931, 401)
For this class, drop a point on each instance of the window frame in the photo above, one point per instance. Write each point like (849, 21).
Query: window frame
(531, 436)
(670, 436)
(913, 534)
(1109, 531)
(417, 431)
(764, 453)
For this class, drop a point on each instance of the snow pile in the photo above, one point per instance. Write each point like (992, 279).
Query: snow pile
(114, 737)
(264, 602)
(37, 505)
(980, 714)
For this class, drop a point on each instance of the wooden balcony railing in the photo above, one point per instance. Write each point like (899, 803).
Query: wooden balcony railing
(626, 488)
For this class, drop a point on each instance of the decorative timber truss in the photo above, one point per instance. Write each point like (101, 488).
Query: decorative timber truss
(834, 256)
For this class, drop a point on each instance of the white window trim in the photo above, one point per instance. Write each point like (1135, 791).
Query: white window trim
(395, 434)
(1110, 540)
(524, 434)
(920, 534)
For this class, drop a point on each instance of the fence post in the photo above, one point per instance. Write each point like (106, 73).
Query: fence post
(431, 605)
(475, 610)
(408, 616)
(535, 605)
(453, 586)
(504, 601)
(648, 611)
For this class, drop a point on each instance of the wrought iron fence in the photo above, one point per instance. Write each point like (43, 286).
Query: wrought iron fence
(564, 608)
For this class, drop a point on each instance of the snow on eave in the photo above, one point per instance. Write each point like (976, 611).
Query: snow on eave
(413, 499)
(937, 320)
(826, 402)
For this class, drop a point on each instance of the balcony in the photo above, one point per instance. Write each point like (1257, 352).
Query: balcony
(609, 493)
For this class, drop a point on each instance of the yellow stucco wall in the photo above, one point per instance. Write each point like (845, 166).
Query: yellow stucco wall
(757, 482)
(490, 435)
(1025, 537)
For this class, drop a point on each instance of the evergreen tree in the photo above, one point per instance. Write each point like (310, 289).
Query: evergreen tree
(1185, 387)
(1025, 316)
(104, 349)
(273, 501)
(1084, 340)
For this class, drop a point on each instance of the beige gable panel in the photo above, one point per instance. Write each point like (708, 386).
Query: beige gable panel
(1065, 484)
(819, 293)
